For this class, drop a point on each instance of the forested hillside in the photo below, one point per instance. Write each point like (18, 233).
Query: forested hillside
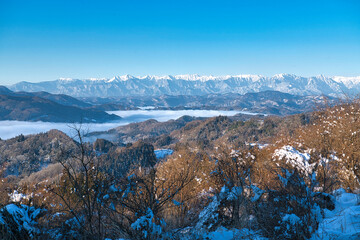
(294, 177)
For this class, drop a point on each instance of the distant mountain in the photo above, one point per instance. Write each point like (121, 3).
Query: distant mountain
(33, 108)
(194, 85)
(5, 90)
(267, 102)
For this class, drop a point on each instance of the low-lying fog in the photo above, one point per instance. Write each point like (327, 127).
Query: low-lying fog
(165, 115)
(9, 129)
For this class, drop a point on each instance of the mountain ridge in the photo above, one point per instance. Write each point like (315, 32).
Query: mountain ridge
(128, 85)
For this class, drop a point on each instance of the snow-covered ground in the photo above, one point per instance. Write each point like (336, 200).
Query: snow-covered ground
(344, 221)
(24, 217)
(341, 223)
(225, 234)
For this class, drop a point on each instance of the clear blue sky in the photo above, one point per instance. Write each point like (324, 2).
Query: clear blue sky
(46, 40)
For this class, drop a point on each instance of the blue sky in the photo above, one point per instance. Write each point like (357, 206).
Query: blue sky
(46, 40)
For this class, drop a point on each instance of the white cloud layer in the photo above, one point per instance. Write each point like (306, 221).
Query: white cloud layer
(9, 129)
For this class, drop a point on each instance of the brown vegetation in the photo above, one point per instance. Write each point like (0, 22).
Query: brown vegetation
(104, 189)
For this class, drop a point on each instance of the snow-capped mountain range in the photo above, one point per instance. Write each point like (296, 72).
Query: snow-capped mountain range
(128, 85)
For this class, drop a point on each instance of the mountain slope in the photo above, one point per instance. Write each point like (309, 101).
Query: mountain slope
(23, 155)
(58, 98)
(267, 102)
(32, 108)
(142, 130)
(192, 85)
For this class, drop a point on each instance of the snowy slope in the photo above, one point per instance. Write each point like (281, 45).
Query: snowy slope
(351, 83)
(341, 223)
(344, 221)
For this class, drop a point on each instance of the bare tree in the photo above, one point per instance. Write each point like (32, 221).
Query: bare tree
(150, 190)
(83, 189)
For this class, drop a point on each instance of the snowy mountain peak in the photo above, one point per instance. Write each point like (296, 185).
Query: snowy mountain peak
(190, 77)
(322, 77)
(121, 78)
(154, 77)
(284, 76)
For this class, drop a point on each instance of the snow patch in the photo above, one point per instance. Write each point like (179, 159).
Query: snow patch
(162, 153)
(295, 158)
(18, 197)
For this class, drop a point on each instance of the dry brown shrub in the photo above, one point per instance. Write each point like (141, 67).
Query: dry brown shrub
(193, 169)
(333, 141)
